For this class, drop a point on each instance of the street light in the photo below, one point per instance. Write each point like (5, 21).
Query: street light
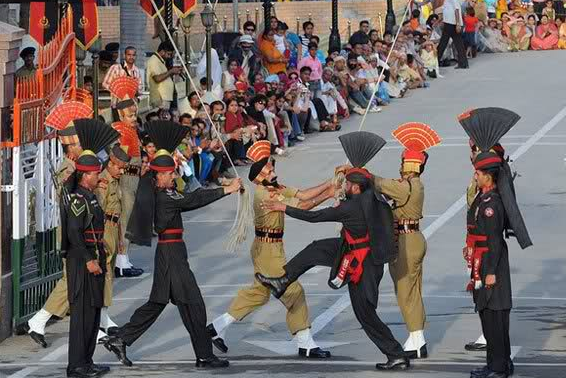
(95, 50)
(390, 17)
(186, 23)
(207, 17)
(334, 42)
(266, 12)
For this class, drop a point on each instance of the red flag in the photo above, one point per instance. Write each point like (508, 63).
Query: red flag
(85, 22)
(184, 7)
(149, 9)
(43, 21)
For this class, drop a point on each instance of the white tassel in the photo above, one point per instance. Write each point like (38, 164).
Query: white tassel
(243, 222)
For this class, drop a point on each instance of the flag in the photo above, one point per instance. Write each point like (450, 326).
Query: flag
(184, 7)
(43, 21)
(147, 6)
(85, 22)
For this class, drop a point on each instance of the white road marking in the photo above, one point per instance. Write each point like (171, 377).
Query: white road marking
(514, 351)
(140, 277)
(275, 362)
(53, 356)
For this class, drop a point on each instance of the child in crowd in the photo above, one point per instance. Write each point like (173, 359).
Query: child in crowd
(549, 11)
(259, 84)
(471, 26)
(430, 59)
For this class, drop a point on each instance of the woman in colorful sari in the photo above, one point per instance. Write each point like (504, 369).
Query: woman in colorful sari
(491, 38)
(519, 35)
(562, 35)
(546, 35)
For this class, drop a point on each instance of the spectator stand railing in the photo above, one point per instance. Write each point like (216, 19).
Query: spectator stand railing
(36, 265)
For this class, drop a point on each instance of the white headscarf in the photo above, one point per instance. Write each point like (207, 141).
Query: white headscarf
(215, 70)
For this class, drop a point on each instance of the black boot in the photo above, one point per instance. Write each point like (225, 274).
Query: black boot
(401, 363)
(82, 372)
(100, 369)
(511, 368)
(218, 342)
(314, 353)
(415, 354)
(211, 363)
(277, 285)
(117, 346)
(475, 347)
(480, 372)
(38, 338)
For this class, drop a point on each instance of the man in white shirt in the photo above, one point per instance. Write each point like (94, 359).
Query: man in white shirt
(452, 29)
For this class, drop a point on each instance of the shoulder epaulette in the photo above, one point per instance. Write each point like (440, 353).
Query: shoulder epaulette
(173, 194)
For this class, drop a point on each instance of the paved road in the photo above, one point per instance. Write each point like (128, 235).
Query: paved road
(259, 344)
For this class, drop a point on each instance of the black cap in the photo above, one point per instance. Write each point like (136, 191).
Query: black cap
(106, 56)
(27, 51)
(112, 47)
(119, 153)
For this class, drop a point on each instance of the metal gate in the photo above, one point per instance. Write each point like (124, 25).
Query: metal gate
(36, 265)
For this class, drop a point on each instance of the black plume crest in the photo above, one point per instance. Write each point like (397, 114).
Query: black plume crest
(95, 135)
(361, 146)
(486, 126)
(166, 135)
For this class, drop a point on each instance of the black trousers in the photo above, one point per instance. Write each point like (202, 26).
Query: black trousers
(495, 325)
(449, 32)
(321, 111)
(323, 253)
(83, 329)
(193, 316)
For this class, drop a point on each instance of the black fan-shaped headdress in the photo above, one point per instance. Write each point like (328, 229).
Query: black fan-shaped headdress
(361, 146)
(486, 126)
(94, 136)
(166, 135)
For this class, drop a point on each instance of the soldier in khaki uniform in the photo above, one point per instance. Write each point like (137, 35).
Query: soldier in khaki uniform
(109, 197)
(268, 255)
(407, 194)
(61, 118)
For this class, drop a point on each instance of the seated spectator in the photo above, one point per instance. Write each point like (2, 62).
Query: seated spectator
(358, 92)
(229, 76)
(249, 29)
(471, 27)
(259, 84)
(281, 40)
(376, 82)
(430, 59)
(331, 98)
(546, 35)
(315, 66)
(248, 60)
(562, 34)
(235, 127)
(360, 36)
(410, 76)
(319, 53)
(491, 38)
(532, 20)
(519, 35)
(194, 103)
(415, 21)
(373, 36)
(273, 61)
(308, 30)
(549, 11)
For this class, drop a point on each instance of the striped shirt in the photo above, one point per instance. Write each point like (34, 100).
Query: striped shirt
(120, 70)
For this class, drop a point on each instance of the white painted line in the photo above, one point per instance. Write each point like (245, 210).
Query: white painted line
(275, 362)
(326, 317)
(140, 277)
(53, 356)
(514, 351)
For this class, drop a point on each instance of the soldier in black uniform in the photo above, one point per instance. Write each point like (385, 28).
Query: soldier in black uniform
(173, 279)
(358, 256)
(492, 216)
(82, 222)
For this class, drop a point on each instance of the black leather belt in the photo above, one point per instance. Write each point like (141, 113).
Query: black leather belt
(407, 228)
(266, 234)
(112, 217)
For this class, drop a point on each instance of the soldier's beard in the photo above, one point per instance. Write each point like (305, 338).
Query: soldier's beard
(273, 183)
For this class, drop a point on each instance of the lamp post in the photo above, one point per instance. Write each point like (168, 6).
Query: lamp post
(334, 42)
(390, 17)
(95, 50)
(266, 12)
(207, 18)
(186, 26)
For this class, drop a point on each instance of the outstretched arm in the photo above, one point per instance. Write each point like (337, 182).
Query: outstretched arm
(315, 191)
(203, 197)
(329, 214)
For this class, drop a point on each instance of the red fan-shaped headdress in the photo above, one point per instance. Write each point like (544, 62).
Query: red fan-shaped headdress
(129, 139)
(124, 88)
(416, 137)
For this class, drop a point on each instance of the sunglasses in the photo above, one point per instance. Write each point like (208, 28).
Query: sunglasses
(250, 30)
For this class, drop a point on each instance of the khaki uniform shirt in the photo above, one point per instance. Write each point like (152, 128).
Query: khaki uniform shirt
(25, 72)
(272, 220)
(408, 196)
(108, 194)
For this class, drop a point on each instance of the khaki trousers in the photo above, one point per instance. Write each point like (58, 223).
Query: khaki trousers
(269, 259)
(407, 275)
(58, 303)
(111, 246)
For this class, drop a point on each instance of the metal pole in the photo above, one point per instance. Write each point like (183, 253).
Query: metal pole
(187, 60)
(208, 59)
(235, 16)
(390, 17)
(334, 41)
(169, 15)
(95, 86)
(256, 17)
(266, 12)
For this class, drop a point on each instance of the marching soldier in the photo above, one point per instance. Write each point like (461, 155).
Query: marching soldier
(125, 89)
(110, 199)
(82, 224)
(268, 255)
(173, 280)
(61, 118)
(492, 216)
(407, 194)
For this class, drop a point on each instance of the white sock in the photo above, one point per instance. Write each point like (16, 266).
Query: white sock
(279, 151)
(305, 340)
(481, 340)
(105, 321)
(38, 321)
(100, 335)
(221, 324)
(128, 260)
(122, 262)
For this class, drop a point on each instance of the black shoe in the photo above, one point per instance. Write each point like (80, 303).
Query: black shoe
(117, 346)
(211, 363)
(416, 354)
(494, 374)
(100, 369)
(444, 63)
(112, 331)
(475, 347)
(138, 270)
(314, 353)
(82, 372)
(276, 285)
(37, 337)
(479, 372)
(130, 272)
(511, 368)
(401, 363)
(218, 342)
(458, 67)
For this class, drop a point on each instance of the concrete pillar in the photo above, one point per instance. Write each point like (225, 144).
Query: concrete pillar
(133, 28)
(10, 43)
